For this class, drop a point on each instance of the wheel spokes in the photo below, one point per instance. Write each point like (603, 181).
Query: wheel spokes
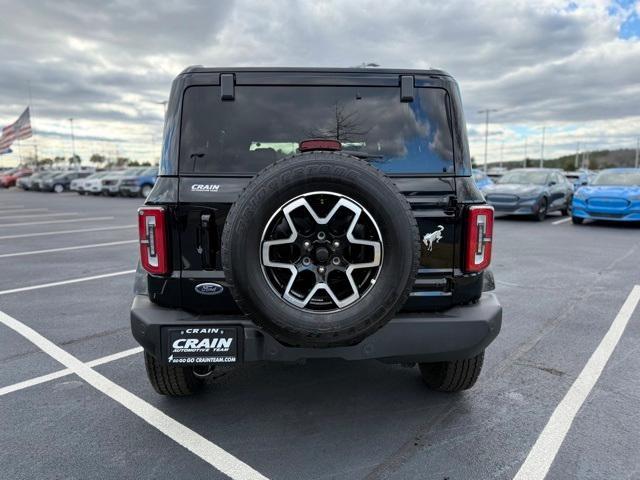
(321, 270)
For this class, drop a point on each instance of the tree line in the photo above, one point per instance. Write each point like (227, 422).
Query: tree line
(96, 159)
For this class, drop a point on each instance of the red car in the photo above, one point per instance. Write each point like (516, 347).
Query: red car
(8, 179)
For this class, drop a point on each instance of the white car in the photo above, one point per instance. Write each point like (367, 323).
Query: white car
(111, 182)
(92, 184)
(77, 186)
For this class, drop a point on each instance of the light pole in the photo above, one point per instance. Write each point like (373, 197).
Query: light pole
(577, 156)
(637, 150)
(524, 162)
(486, 112)
(542, 147)
(73, 141)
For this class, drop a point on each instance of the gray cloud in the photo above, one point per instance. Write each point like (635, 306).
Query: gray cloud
(107, 62)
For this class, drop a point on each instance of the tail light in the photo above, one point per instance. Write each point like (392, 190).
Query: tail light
(319, 144)
(479, 238)
(154, 253)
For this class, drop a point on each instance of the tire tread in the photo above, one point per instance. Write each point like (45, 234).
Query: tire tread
(171, 380)
(454, 375)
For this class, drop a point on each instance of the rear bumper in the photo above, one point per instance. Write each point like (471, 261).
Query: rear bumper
(459, 332)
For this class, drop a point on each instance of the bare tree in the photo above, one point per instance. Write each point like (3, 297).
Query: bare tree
(347, 127)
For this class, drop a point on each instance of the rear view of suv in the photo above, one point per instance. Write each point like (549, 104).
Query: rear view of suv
(314, 213)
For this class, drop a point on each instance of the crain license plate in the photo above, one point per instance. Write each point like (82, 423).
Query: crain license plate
(201, 345)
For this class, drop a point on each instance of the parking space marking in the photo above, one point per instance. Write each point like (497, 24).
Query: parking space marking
(40, 215)
(48, 222)
(64, 249)
(13, 206)
(61, 232)
(208, 451)
(22, 210)
(562, 220)
(544, 451)
(64, 372)
(65, 282)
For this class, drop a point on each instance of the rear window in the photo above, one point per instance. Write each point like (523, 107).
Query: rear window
(264, 124)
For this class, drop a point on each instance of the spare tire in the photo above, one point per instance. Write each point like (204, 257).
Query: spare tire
(320, 249)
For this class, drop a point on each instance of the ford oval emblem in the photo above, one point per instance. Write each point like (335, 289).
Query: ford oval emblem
(209, 289)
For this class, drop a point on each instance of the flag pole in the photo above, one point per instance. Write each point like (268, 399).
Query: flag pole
(35, 142)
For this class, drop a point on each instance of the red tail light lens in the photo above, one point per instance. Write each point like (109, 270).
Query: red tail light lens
(154, 254)
(479, 238)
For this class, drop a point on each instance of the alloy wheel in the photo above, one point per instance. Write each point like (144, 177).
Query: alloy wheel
(321, 252)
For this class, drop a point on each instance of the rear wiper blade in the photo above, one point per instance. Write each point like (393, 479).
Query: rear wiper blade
(358, 154)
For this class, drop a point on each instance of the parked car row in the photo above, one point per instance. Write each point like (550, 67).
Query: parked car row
(8, 178)
(611, 194)
(136, 181)
(52, 180)
(132, 182)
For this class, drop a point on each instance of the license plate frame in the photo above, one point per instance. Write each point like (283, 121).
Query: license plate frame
(192, 345)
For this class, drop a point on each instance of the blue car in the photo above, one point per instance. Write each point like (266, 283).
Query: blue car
(481, 179)
(614, 194)
(140, 184)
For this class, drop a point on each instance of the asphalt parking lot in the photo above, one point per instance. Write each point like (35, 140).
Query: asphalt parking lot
(66, 272)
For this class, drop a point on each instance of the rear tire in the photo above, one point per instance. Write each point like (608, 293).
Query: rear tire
(170, 380)
(577, 220)
(453, 376)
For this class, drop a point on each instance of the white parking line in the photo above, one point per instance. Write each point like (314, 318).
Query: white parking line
(22, 210)
(65, 371)
(64, 249)
(61, 232)
(39, 215)
(48, 222)
(192, 441)
(65, 282)
(562, 220)
(544, 451)
(13, 206)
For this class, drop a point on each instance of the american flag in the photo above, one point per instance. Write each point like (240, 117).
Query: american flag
(18, 130)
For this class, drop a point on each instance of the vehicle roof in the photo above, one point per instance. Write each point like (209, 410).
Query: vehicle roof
(365, 71)
(622, 170)
(534, 169)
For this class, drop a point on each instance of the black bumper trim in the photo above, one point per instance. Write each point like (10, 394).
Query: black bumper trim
(459, 332)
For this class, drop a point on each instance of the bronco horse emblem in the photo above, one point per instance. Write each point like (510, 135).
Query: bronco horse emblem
(434, 237)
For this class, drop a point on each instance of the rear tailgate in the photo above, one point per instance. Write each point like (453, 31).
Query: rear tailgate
(205, 202)
(226, 137)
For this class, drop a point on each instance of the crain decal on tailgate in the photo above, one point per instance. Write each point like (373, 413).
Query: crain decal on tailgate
(204, 187)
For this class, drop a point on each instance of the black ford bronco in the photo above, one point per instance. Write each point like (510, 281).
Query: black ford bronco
(314, 213)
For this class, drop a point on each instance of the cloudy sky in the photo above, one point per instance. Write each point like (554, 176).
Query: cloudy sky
(573, 67)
